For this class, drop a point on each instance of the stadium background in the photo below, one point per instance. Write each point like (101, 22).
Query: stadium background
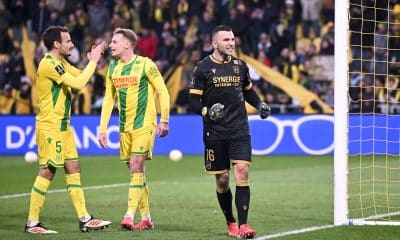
(290, 47)
(292, 41)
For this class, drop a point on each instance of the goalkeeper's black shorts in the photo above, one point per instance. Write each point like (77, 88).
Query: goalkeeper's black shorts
(218, 154)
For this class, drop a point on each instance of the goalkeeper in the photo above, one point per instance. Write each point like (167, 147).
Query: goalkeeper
(219, 87)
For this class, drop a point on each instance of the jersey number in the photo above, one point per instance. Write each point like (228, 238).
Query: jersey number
(58, 146)
(210, 155)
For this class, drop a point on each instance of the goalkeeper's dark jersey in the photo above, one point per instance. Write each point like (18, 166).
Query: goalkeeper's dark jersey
(223, 82)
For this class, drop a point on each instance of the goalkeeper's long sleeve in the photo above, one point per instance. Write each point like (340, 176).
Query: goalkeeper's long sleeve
(195, 103)
(251, 97)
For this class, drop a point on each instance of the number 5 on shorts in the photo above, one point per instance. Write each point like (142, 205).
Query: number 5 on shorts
(58, 146)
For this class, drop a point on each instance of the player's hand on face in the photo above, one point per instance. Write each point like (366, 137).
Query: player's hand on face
(96, 52)
(103, 140)
(162, 129)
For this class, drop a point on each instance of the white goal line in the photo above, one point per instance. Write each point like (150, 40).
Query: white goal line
(293, 232)
(356, 222)
(370, 220)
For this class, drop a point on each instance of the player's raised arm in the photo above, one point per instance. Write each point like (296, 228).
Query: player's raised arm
(59, 74)
(80, 81)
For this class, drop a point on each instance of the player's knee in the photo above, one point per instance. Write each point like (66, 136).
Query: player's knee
(241, 167)
(47, 172)
(222, 181)
(136, 164)
(222, 186)
(241, 171)
(134, 168)
(72, 167)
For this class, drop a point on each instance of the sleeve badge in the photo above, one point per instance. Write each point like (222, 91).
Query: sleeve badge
(60, 70)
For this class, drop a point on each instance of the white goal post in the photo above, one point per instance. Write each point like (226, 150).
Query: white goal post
(374, 191)
(340, 205)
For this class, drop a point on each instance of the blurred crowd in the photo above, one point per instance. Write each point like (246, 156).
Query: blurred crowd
(289, 36)
(374, 69)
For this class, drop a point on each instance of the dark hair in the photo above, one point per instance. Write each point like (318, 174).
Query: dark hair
(53, 34)
(220, 28)
(129, 34)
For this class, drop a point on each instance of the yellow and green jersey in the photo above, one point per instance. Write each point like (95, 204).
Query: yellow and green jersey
(134, 84)
(54, 96)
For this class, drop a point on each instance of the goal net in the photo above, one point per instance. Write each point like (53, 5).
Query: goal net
(371, 159)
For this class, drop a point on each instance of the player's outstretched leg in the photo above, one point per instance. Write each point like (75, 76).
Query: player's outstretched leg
(38, 229)
(93, 224)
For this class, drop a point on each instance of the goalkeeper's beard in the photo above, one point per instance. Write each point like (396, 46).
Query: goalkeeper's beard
(225, 57)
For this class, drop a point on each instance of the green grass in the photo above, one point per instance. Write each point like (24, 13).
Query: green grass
(288, 193)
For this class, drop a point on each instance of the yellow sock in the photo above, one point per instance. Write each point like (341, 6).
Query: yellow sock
(38, 196)
(144, 202)
(75, 191)
(135, 192)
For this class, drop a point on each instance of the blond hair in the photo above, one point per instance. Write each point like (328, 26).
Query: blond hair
(128, 34)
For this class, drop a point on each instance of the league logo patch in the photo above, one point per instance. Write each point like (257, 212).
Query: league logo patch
(154, 72)
(236, 69)
(60, 69)
(208, 165)
(192, 80)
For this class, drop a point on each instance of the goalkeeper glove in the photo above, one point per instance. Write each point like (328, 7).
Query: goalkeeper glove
(215, 112)
(264, 109)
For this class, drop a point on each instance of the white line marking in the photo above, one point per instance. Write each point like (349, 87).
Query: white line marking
(303, 230)
(18, 195)
(271, 236)
(380, 216)
(64, 190)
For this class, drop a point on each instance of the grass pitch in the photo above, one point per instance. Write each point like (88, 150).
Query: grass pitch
(288, 193)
